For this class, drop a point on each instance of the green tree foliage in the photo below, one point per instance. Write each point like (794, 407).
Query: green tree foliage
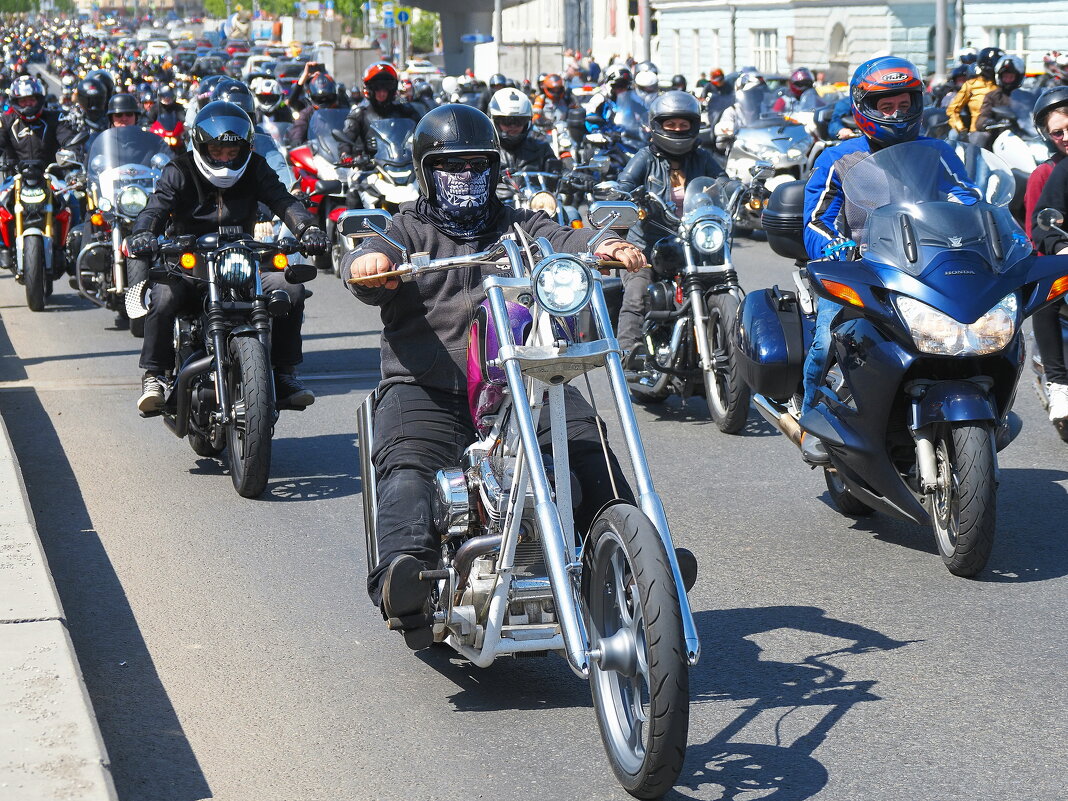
(424, 33)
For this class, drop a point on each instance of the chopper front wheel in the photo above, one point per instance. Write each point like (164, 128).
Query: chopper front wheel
(640, 680)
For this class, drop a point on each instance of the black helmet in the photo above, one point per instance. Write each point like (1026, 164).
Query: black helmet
(323, 91)
(497, 81)
(453, 129)
(221, 123)
(123, 103)
(106, 80)
(27, 87)
(679, 82)
(168, 98)
(207, 86)
(233, 91)
(1053, 98)
(92, 97)
(987, 60)
(671, 105)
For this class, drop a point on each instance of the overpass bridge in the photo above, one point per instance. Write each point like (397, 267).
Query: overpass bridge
(459, 17)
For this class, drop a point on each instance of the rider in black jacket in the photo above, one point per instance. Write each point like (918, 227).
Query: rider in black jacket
(663, 168)
(380, 89)
(422, 419)
(220, 182)
(512, 113)
(32, 131)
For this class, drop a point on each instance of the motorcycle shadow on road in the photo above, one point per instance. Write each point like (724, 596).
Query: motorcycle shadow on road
(150, 755)
(791, 702)
(695, 410)
(1029, 544)
(525, 683)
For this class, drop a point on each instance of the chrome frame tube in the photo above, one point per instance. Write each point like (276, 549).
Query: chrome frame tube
(545, 510)
(219, 343)
(365, 433)
(118, 263)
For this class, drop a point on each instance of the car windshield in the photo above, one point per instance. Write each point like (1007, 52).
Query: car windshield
(321, 132)
(926, 198)
(394, 140)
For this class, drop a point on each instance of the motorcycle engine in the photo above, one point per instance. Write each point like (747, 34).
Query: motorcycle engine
(660, 295)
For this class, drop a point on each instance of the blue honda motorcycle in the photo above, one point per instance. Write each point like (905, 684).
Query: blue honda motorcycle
(926, 350)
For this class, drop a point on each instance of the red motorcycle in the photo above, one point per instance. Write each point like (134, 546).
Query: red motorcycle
(323, 182)
(171, 128)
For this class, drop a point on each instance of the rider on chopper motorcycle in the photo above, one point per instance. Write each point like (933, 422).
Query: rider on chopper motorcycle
(220, 182)
(887, 95)
(422, 420)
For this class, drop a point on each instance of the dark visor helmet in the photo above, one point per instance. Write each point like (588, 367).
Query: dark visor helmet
(877, 78)
(221, 123)
(92, 97)
(672, 105)
(322, 89)
(453, 130)
(233, 91)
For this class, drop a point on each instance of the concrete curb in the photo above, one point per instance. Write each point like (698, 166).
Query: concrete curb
(50, 747)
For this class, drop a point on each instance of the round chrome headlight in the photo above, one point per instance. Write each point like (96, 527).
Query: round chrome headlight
(132, 200)
(544, 201)
(562, 285)
(708, 237)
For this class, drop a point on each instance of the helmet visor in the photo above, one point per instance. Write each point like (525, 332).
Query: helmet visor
(893, 106)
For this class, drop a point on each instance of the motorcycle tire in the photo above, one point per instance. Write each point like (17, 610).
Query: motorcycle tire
(964, 506)
(642, 702)
(726, 394)
(137, 271)
(33, 272)
(249, 434)
(845, 501)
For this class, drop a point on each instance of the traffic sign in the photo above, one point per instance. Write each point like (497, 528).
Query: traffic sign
(476, 38)
(403, 17)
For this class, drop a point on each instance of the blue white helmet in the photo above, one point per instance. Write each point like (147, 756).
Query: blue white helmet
(877, 78)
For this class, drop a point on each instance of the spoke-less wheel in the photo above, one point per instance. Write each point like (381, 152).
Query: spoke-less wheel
(33, 272)
(964, 505)
(249, 433)
(640, 681)
(726, 393)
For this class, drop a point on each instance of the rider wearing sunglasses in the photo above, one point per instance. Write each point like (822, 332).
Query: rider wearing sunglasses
(422, 419)
(1048, 188)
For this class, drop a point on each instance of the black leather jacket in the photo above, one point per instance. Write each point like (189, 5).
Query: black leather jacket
(187, 200)
(651, 170)
(358, 125)
(531, 154)
(28, 141)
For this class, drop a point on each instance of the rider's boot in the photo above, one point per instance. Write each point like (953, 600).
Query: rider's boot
(405, 601)
(289, 391)
(814, 451)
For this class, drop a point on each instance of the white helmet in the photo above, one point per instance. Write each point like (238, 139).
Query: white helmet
(267, 93)
(449, 84)
(647, 81)
(510, 104)
(747, 80)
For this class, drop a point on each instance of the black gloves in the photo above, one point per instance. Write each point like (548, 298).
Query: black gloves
(142, 245)
(313, 241)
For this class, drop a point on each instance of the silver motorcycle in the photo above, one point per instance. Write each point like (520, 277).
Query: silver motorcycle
(516, 575)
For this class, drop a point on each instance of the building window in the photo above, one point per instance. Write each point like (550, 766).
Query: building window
(1010, 39)
(765, 49)
(676, 40)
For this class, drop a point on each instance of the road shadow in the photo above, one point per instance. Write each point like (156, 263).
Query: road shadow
(150, 755)
(694, 411)
(341, 360)
(11, 366)
(314, 468)
(510, 683)
(1030, 543)
(66, 357)
(810, 684)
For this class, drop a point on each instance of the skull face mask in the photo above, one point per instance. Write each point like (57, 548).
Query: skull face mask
(461, 195)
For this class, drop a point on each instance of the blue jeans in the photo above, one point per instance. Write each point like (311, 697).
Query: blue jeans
(816, 358)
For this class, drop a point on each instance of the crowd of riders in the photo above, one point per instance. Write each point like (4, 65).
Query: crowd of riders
(60, 89)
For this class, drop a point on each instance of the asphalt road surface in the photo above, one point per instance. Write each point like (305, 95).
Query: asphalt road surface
(230, 651)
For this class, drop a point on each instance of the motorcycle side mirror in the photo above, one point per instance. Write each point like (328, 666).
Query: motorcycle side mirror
(65, 158)
(364, 223)
(160, 160)
(1049, 218)
(762, 170)
(619, 215)
(600, 163)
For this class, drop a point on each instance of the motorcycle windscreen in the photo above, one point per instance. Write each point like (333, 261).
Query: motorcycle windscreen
(754, 108)
(630, 117)
(321, 132)
(123, 156)
(908, 204)
(393, 140)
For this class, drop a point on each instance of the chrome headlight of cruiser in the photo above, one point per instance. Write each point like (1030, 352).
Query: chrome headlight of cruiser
(562, 285)
(937, 333)
(132, 200)
(708, 237)
(235, 268)
(543, 201)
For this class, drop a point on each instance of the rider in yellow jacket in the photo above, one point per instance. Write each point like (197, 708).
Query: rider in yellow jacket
(969, 99)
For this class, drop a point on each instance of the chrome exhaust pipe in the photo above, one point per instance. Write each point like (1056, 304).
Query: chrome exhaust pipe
(365, 437)
(83, 257)
(467, 553)
(779, 417)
